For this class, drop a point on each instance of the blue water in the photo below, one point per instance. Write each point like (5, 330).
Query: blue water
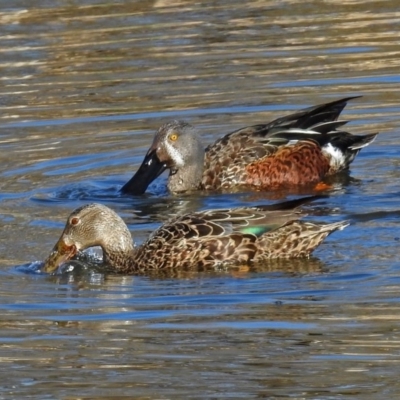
(84, 88)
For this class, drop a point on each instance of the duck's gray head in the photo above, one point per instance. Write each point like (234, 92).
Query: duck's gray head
(177, 147)
(88, 226)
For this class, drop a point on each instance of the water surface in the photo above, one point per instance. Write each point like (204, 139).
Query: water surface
(84, 85)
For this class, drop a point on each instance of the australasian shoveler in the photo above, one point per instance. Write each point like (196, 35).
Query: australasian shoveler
(297, 150)
(196, 241)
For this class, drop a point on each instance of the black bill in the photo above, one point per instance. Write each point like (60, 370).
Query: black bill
(150, 169)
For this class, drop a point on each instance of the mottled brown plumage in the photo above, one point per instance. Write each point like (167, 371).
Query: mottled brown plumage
(297, 150)
(200, 240)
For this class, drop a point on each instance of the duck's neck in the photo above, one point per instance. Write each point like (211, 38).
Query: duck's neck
(119, 252)
(131, 260)
(189, 176)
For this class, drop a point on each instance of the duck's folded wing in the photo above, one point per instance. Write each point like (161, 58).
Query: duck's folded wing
(258, 141)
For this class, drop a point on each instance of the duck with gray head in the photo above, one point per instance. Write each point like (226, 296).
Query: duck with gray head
(196, 241)
(297, 150)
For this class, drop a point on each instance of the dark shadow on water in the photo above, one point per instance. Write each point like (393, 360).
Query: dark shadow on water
(372, 216)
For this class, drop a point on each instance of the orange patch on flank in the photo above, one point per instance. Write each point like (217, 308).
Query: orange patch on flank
(301, 164)
(321, 186)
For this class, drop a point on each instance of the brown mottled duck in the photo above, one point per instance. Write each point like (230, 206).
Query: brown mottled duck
(201, 240)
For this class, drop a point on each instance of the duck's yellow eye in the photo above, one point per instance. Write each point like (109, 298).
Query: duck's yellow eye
(173, 137)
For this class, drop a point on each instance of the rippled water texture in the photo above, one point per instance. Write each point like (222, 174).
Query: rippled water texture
(83, 87)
